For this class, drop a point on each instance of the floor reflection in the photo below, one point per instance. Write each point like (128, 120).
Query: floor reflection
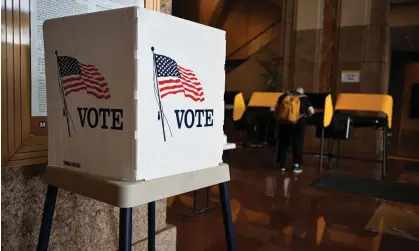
(280, 211)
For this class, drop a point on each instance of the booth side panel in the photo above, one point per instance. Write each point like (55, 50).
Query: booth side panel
(181, 95)
(90, 73)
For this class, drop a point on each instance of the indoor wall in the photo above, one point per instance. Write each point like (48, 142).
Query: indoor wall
(249, 26)
(404, 22)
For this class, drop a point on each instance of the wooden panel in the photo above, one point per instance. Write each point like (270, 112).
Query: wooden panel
(23, 141)
(19, 145)
(4, 135)
(25, 67)
(9, 101)
(152, 4)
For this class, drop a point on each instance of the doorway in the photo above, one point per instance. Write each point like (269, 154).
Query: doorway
(404, 75)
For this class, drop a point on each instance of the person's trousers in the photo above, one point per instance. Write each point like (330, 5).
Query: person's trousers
(290, 135)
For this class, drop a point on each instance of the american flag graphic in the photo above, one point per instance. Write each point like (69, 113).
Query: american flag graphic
(174, 79)
(76, 77)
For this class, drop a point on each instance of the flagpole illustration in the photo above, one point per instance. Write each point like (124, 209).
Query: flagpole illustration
(159, 103)
(61, 88)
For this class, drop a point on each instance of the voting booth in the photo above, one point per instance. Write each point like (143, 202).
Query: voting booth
(135, 113)
(235, 107)
(322, 119)
(367, 110)
(129, 98)
(260, 114)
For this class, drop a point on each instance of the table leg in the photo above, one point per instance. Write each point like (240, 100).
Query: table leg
(208, 207)
(152, 226)
(47, 216)
(228, 222)
(125, 229)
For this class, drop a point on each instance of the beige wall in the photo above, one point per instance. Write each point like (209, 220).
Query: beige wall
(247, 77)
(309, 14)
(355, 12)
(244, 22)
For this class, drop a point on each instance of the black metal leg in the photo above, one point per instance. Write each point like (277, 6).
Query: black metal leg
(384, 153)
(208, 207)
(125, 229)
(47, 216)
(321, 150)
(228, 221)
(152, 226)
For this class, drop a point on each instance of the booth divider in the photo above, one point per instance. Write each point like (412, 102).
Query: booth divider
(263, 104)
(264, 99)
(322, 120)
(239, 107)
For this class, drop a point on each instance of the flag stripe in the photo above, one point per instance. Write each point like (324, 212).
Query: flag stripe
(191, 89)
(76, 76)
(76, 84)
(164, 83)
(194, 98)
(173, 79)
(198, 93)
(82, 78)
(183, 86)
(83, 88)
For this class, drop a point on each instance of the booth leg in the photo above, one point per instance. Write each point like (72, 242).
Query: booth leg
(228, 222)
(47, 216)
(338, 153)
(208, 207)
(384, 153)
(321, 151)
(152, 226)
(125, 229)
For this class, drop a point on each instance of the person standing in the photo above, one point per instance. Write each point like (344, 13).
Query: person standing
(291, 112)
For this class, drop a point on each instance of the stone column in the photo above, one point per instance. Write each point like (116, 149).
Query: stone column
(336, 35)
(287, 41)
(329, 46)
(364, 45)
(307, 45)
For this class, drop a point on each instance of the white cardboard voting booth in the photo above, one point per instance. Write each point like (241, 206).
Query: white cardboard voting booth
(134, 94)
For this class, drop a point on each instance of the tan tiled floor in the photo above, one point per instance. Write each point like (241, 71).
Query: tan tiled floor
(280, 211)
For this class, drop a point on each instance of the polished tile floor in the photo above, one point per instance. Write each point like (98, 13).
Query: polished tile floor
(280, 211)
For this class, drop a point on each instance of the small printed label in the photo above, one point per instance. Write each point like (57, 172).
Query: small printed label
(42, 124)
(72, 164)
